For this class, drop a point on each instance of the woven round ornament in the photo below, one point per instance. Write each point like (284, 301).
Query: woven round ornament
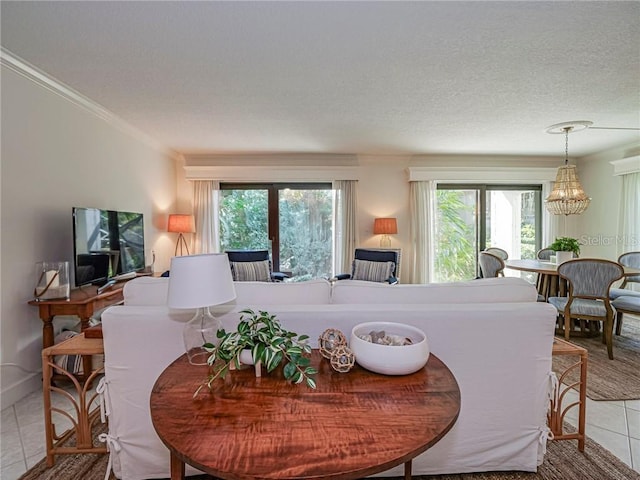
(342, 359)
(329, 340)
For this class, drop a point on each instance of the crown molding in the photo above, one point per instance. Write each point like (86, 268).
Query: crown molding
(272, 173)
(482, 174)
(43, 80)
(626, 165)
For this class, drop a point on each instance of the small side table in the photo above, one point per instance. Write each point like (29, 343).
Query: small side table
(557, 410)
(86, 417)
(83, 303)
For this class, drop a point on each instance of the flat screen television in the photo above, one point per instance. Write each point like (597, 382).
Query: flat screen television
(106, 243)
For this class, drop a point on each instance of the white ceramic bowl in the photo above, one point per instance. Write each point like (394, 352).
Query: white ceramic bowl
(388, 359)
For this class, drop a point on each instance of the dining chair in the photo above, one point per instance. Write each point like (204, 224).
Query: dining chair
(498, 252)
(628, 259)
(589, 283)
(490, 265)
(545, 254)
(625, 304)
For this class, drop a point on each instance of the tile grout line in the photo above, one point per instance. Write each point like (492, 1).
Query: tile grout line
(626, 418)
(24, 455)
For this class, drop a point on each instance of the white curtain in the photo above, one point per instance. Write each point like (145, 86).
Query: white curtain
(630, 213)
(205, 212)
(421, 230)
(552, 225)
(345, 236)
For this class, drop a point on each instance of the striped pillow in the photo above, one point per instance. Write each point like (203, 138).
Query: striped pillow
(372, 271)
(251, 271)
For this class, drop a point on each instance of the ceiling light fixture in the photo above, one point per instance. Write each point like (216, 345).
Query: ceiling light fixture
(567, 196)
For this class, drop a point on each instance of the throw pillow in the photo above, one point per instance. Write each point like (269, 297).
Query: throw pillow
(372, 271)
(251, 271)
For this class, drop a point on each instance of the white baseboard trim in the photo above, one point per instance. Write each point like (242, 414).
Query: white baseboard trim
(20, 389)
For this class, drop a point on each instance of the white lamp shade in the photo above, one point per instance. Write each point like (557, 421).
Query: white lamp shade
(200, 281)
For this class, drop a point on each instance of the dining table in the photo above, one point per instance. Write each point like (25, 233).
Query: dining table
(549, 283)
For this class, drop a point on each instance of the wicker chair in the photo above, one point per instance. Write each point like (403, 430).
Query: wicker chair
(490, 265)
(498, 252)
(589, 284)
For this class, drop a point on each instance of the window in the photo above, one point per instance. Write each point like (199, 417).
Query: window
(293, 221)
(470, 218)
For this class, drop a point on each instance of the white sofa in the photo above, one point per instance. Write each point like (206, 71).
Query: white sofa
(491, 333)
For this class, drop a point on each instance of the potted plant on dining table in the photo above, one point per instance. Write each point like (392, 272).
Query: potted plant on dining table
(566, 248)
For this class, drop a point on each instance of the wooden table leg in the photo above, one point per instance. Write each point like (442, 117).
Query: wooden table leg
(48, 423)
(583, 401)
(47, 332)
(407, 470)
(87, 366)
(177, 468)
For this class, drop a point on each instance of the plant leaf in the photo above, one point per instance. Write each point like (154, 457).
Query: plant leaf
(289, 370)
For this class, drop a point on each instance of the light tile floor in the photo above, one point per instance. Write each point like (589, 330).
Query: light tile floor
(22, 438)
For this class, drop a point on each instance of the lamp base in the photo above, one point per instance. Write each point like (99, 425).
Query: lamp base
(201, 330)
(385, 241)
(180, 243)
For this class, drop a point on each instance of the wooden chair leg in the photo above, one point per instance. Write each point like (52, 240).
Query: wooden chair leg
(618, 322)
(608, 334)
(567, 325)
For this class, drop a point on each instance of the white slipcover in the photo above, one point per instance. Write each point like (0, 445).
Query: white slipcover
(500, 354)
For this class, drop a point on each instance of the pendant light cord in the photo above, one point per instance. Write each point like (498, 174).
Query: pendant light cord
(566, 145)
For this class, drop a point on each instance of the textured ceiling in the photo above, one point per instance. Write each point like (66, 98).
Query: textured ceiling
(346, 77)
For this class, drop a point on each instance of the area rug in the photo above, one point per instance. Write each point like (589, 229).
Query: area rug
(563, 461)
(616, 379)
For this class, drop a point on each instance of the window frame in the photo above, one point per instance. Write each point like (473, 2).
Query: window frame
(481, 214)
(273, 207)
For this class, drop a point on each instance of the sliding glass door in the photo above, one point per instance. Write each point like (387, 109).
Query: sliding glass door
(293, 221)
(471, 218)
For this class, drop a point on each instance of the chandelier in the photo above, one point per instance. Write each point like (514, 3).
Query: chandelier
(567, 196)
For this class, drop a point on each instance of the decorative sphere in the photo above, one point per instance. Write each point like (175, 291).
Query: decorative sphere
(330, 339)
(342, 359)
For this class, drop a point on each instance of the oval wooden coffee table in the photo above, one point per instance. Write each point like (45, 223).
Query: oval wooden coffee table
(353, 425)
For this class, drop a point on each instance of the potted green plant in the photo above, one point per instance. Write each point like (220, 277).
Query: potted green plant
(269, 345)
(566, 248)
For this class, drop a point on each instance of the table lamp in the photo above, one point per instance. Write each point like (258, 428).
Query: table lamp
(385, 227)
(181, 224)
(200, 281)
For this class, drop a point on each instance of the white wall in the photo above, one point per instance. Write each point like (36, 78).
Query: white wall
(598, 227)
(56, 155)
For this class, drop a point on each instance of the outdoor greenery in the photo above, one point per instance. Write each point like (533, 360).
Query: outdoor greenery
(243, 220)
(566, 244)
(306, 230)
(305, 227)
(269, 343)
(455, 237)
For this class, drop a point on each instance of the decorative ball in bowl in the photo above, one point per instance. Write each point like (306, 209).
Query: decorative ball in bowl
(389, 348)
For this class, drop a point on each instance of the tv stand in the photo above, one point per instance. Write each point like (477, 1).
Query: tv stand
(83, 302)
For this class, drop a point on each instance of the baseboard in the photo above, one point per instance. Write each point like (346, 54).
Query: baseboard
(17, 391)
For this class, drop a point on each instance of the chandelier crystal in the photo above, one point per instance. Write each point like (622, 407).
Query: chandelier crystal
(568, 196)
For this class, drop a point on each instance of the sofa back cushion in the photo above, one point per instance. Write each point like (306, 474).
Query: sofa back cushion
(311, 292)
(486, 290)
(148, 291)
